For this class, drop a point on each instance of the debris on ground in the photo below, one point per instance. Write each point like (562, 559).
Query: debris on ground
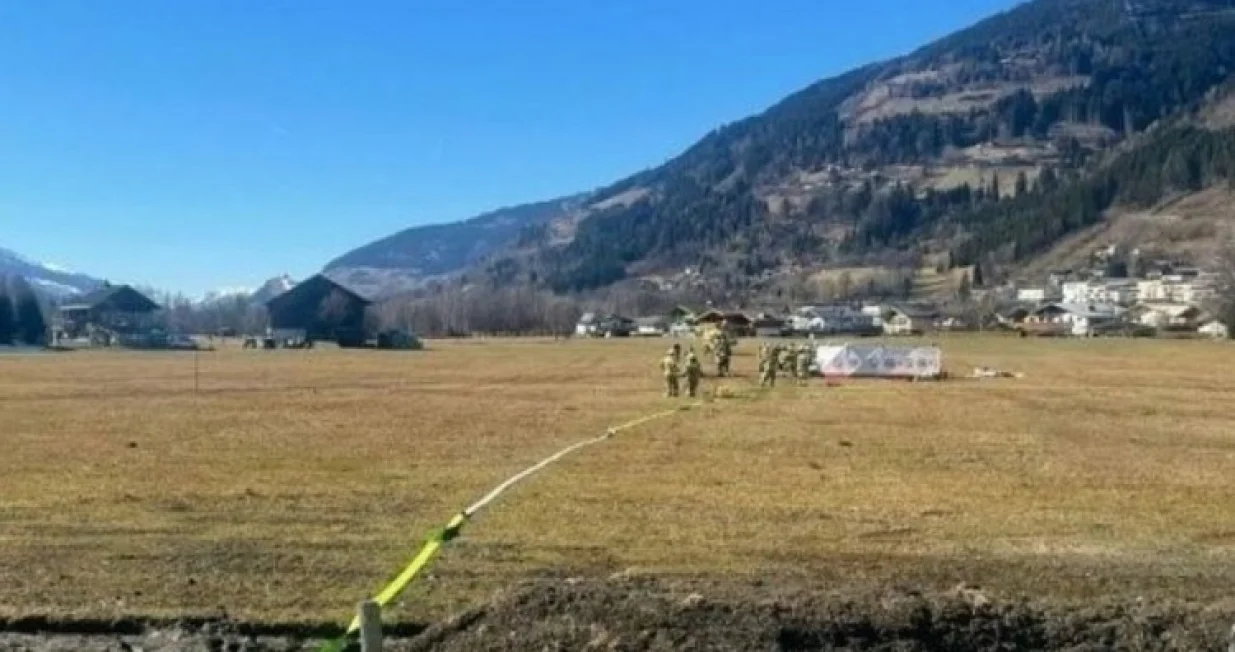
(990, 372)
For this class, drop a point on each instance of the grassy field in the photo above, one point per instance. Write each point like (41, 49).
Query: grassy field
(289, 484)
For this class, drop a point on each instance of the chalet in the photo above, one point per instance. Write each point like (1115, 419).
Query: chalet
(1215, 329)
(1081, 319)
(1166, 315)
(588, 325)
(766, 325)
(318, 309)
(735, 323)
(1012, 315)
(833, 319)
(909, 319)
(682, 315)
(651, 326)
(107, 313)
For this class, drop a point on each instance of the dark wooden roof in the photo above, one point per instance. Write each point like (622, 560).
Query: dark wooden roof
(121, 298)
(320, 285)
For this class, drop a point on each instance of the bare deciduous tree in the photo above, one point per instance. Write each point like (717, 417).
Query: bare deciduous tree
(1223, 302)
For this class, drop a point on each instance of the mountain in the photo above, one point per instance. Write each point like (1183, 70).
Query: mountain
(50, 280)
(413, 255)
(986, 147)
(271, 289)
(268, 290)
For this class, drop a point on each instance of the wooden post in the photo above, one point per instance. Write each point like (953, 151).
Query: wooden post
(370, 627)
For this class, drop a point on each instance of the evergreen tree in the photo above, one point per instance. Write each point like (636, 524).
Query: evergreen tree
(7, 325)
(29, 326)
(1022, 183)
(977, 274)
(1048, 180)
(995, 194)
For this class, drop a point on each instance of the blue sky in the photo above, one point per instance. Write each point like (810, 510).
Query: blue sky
(199, 144)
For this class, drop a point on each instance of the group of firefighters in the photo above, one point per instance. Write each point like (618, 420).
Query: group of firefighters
(773, 358)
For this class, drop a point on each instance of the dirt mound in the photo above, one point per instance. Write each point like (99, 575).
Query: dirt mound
(591, 615)
(631, 615)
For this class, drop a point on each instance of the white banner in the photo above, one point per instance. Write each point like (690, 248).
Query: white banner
(879, 361)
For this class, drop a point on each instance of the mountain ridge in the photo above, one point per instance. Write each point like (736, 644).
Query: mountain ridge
(47, 279)
(919, 155)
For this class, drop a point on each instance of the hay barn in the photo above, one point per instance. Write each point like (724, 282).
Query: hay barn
(108, 311)
(320, 309)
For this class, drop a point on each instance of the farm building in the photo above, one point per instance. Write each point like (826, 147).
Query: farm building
(319, 309)
(909, 319)
(652, 326)
(732, 322)
(107, 314)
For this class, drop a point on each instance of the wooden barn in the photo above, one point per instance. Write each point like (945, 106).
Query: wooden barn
(105, 313)
(319, 309)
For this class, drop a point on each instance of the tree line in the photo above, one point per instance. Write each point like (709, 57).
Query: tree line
(1181, 158)
(21, 313)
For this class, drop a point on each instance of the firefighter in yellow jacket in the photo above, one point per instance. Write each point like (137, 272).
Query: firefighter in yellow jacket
(692, 372)
(771, 364)
(669, 369)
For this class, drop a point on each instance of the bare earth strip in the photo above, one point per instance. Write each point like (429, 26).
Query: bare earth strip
(290, 484)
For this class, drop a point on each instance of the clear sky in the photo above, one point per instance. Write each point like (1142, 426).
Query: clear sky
(196, 144)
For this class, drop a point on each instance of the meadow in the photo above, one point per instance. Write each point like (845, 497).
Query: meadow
(285, 486)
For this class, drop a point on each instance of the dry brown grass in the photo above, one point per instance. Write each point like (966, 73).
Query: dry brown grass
(295, 482)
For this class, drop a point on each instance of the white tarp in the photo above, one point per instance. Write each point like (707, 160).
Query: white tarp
(879, 361)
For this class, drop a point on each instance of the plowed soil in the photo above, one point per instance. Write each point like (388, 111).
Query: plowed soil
(646, 615)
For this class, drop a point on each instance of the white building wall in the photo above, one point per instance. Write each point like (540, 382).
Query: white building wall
(1031, 294)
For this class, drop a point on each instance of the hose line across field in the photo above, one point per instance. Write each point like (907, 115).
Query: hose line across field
(438, 538)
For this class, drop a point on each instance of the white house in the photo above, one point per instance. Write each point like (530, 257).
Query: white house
(652, 326)
(1077, 292)
(588, 326)
(1036, 294)
(806, 323)
(1119, 291)
(832, 319)
(1163, 315)
(1177, 289)
(909, 319)
(681, 329)
(1082, 318)
(1215, 329)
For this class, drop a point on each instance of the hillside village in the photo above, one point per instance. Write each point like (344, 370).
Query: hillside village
(1159, 298)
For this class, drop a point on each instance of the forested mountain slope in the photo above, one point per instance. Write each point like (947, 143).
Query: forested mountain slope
(990, 144)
